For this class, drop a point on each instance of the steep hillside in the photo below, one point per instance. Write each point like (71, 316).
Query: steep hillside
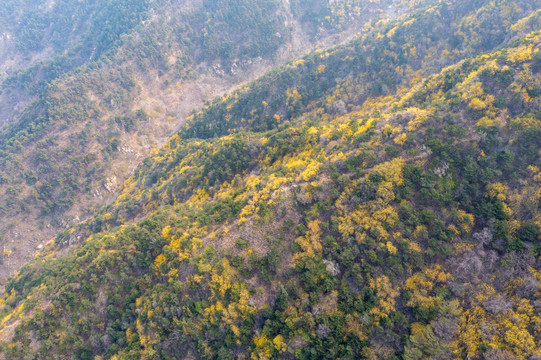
(42, 40)
(92, 86)
(37, 30)
(361, 202)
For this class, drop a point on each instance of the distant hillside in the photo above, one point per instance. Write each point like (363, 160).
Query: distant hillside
(90, 87)
(376, 200)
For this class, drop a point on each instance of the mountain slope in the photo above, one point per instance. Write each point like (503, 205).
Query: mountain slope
(108, 81)
(396, 222)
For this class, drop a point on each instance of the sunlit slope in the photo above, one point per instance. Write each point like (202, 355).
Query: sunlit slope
(104, 82)
(362, 76)
(403, 224)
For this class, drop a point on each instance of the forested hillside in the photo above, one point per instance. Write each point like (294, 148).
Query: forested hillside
(89, 88)
(376, 200)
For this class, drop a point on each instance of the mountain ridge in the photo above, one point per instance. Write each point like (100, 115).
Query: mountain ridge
(324, 218)
(64, 155)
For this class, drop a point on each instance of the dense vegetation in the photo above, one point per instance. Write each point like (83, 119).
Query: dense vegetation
(101, 83)
(77, 32)
(361, 202)
(104, 88)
